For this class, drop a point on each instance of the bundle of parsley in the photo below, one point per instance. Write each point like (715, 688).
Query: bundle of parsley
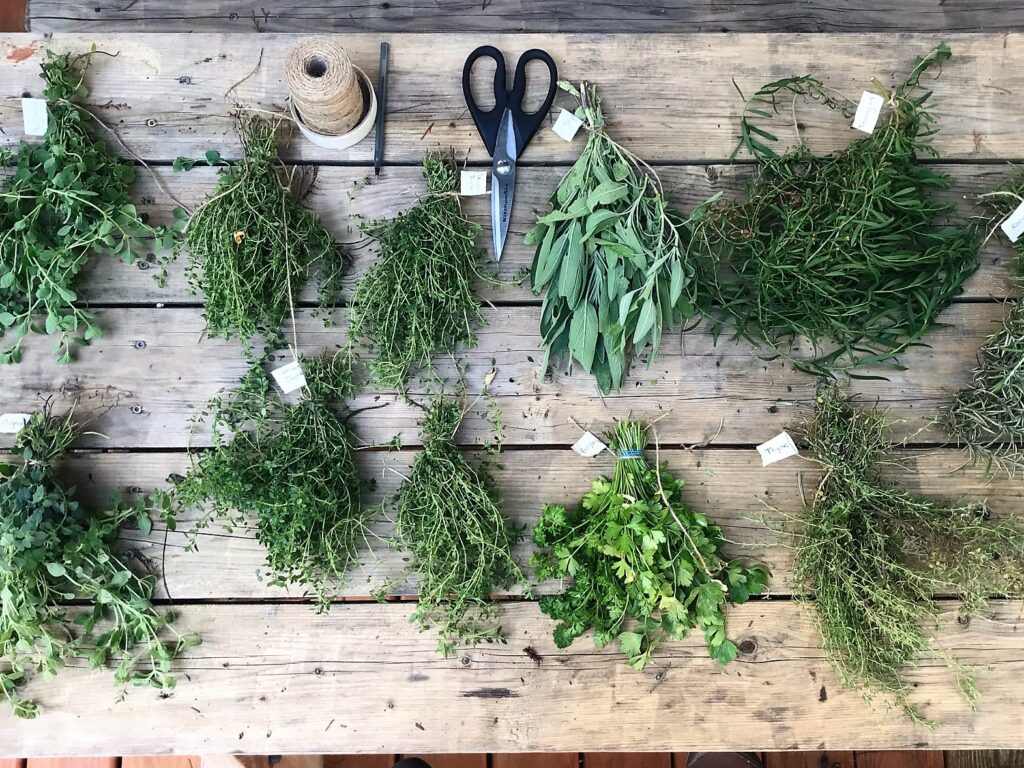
(849, 250)
(52, 551)
(62, 202)
(290, 466)
(644, 565)
(252, 245)
(612, 256)
(874, 557)
(448, 514)
(418, 300)
(987, 417)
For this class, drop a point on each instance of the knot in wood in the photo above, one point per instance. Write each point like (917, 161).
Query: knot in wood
(748, 646)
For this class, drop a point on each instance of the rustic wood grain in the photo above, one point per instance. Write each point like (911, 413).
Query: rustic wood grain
(359, 761)
(989, 758)
(908, 759)
(152, 369)
(166, 98)
(162, 761)
(627, 760)
(13, 16)
(341, 205)
(730, 486)
(271, 676)
(522, 16)
(536, 760)
(449, 760)
(812, 759)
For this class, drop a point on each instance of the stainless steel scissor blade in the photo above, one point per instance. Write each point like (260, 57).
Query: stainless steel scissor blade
(503, 182)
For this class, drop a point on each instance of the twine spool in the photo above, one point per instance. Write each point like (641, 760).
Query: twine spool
(325, 87)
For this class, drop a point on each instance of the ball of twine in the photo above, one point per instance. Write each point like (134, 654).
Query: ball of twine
(324, 86)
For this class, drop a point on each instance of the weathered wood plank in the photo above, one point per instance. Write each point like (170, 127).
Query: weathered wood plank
(151, 370)
(729, 486)
(72, 762)
(908, 759)
(341, 206)
(359, 761)
(161, 761)
(627, 760)
(536, 760)
(519, 16)
(269, 677)
(450, 760)
(164, 94)
(812, 759)
(989, 758)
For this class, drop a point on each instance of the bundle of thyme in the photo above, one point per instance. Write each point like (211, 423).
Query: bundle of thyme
(644, 565)
(53, 550)
(874, 556)
(987, 417)
(447, 513)
(849, 250)
(612, 256)
(418, 299)
(62, 202)
(252, 245)
(290, 466)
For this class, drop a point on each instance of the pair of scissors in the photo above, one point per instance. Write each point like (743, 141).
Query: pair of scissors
(506, 129)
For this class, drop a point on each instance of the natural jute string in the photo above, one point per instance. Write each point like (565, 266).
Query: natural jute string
(324, 86)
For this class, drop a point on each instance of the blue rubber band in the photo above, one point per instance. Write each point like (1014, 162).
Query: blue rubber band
(630, 454)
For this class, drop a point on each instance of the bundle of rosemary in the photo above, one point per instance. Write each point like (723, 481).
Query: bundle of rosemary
(252, 245)
(418, 299)
(849, 250)
(52, 551)
(987, 417)
(644, 565)
(60, 203)
(612, 256)
(447, 513)
(290, 466)
(873, 557)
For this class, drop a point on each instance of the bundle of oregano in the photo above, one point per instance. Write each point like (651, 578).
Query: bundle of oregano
(447, 513)
(987, 417)
(612, 256)
(873, 557)
(61, 202)
(52, 551)
(644, 565)
(252, 245)
(850, 249)
(290, 466)
(418, 299)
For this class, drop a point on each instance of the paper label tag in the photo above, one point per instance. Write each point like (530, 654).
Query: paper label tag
(868, 110)
(566, 125)
(589, 445)
(474, 183)
(778, 448)
(35, 115)
(289, 377)
(11, 423)
(1014, 224)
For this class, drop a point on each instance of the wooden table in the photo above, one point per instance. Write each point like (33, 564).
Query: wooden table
(272, 676)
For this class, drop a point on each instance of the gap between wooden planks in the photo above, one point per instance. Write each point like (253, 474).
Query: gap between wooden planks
(672, 96)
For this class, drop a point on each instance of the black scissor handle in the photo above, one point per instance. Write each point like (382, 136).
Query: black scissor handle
(487, 121)
(527, 123)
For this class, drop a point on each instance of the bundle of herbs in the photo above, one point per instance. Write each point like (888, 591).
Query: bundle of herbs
(987, 417)
(644, 565)
(872, 557)
(418, 299)
(62, 202)
(447, 513)
(54, 550)
(289, 466)
(253, 245)
(850, 250)
(612, 256)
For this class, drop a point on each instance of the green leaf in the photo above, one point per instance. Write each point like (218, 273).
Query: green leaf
(213, 157)
(57, 570)
(583, 335)
(645, 321)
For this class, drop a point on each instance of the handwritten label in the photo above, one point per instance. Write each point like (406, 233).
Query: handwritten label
(474, 183)
(868, 110)
(11, 423)
(589, 445)
(778, 448)
(289, 377)
(35, 115)
(1014, 224)
(566, 125)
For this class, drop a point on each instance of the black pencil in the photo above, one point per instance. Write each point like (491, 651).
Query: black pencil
(382, 100)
